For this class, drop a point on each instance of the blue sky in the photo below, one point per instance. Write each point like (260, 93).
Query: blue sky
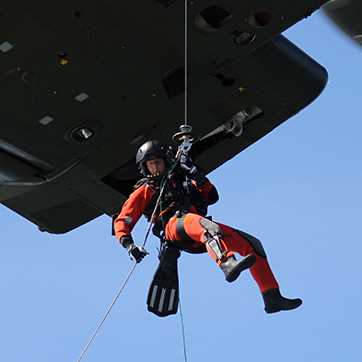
(298, 190)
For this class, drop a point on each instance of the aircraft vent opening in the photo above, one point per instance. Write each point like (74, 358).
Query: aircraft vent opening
(174, 82)
(212, 18)
(82, 134)
(261, 18)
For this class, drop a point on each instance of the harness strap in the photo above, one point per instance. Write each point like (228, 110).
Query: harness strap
(180, 229)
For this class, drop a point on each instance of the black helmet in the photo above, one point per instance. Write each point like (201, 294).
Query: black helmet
(151, 150)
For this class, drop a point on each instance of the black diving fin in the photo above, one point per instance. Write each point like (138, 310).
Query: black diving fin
(163, 294)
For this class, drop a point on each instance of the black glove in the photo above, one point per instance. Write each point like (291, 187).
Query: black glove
(187, 165)
(137, 253)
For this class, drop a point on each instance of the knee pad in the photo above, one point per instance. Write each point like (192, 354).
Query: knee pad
(254, 242)
(211, 227)
(213, 234)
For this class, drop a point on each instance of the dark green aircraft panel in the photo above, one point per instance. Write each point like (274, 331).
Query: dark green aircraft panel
(84, 84)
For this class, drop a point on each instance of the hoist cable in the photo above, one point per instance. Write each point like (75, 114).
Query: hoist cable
(186, 63)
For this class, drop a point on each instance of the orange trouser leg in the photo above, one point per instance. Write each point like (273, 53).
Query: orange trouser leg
(261, 270)
(232, 241)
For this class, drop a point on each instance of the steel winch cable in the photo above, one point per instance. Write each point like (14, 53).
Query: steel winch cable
(186, 61)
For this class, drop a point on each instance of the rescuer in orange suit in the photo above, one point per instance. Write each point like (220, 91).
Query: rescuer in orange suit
(181, 217)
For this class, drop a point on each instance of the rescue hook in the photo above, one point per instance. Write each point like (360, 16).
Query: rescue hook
(184, 138)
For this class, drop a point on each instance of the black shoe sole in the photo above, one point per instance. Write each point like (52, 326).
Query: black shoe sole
(246, 263)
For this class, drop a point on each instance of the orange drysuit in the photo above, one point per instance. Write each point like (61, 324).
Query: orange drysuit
(143, 199)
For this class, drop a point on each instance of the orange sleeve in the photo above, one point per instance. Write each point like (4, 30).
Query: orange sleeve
(132, 210)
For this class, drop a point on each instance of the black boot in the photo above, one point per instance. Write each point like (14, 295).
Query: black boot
(232, 267)
(275, 302)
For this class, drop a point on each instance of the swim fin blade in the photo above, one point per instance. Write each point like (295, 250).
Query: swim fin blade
(163, 294)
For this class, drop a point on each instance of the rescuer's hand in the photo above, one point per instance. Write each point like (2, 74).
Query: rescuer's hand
(136, 253)
(187, 165)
